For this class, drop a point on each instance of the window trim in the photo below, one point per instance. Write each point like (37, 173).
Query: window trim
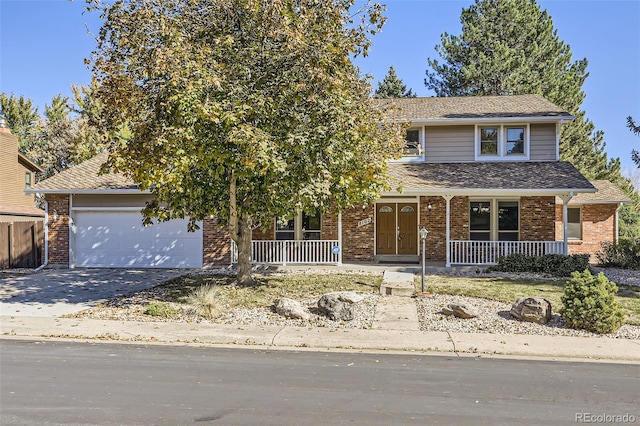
(502, 142)
(27, 180)
(298, 232)
(569, 237)
(493, 202)
(421, 141)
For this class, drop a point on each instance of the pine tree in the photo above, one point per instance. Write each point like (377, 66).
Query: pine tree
(393, 87)
(635, 156)
(19, 115)
(510, 47)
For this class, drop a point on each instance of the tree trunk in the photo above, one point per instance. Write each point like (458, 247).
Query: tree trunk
(244, 251)
(241, 232)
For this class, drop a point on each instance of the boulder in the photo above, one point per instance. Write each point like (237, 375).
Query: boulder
(460, 311)
(335, 309)
(348, 296)
(532, 309)
(291, 309)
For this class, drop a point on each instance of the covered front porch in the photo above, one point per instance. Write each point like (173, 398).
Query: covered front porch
(326, 252)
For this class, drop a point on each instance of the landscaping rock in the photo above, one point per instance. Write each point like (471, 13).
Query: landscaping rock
(331, 306)
(348, 296)
(460, 311)
(532, 309)
(290, 308)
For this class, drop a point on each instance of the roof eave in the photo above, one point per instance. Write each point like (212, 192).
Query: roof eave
(86, 191)
(473, 120)
(473, 192)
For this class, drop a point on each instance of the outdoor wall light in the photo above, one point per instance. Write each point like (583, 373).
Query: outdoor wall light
(56, 216)
(429, 207)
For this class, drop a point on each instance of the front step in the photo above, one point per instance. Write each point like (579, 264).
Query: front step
(397, 284)
(393, 258)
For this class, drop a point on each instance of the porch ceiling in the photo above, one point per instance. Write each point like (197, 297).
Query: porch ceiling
(547, 178)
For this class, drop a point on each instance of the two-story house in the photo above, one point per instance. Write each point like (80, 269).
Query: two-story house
(481, 174)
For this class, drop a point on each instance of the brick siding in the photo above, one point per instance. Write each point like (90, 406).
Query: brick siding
(598, 226)
(216, 244)
(59, 230)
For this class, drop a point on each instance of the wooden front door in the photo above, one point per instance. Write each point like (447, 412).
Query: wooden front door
(397, 228)
(386, 233)
(407, 228)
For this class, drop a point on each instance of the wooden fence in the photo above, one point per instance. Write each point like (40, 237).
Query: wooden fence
(21, 244)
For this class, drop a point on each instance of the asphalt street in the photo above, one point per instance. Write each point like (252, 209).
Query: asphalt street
(51, 383)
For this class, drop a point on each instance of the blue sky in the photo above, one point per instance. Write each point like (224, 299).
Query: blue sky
(43, 44)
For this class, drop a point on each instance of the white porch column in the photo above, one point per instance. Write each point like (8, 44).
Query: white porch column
(448, 198)
(340, 238)
(565, 221)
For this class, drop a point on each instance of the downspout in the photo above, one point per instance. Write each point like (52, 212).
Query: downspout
(46, 237)
(565, 221)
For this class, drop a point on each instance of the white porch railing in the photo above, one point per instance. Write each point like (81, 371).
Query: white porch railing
(488, 252)
(291, 252)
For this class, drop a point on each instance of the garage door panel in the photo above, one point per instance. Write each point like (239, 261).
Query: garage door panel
(118, 239)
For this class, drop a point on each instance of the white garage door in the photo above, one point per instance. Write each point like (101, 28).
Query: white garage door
(118, 239)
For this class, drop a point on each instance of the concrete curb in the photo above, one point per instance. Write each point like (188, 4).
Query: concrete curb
(526, 346)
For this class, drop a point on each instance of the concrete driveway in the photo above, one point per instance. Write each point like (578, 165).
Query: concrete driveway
(56, 292)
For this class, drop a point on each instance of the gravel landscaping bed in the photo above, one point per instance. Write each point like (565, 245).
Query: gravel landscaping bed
(493, 317)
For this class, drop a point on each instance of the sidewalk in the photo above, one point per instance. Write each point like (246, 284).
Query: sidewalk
(459, 344)
(395, 328)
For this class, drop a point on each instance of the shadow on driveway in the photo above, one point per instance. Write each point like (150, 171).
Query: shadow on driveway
(58, 292)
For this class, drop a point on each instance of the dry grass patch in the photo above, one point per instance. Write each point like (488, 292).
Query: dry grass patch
(268, 288)
(508, 290)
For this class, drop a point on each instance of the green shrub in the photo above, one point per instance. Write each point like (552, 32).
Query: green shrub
(554, 264)
(589, 303)
(161, 309)
(623, 254)
(206, 300)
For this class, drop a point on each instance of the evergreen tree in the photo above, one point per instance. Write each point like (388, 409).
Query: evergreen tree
(393, 87)
(509, 47)
(635, 156)
(21, 117)
(59, 108)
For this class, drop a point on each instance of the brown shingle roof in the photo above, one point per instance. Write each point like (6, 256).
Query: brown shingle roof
(474, 107)
(554, 175)
(85, 177)
(607, 193)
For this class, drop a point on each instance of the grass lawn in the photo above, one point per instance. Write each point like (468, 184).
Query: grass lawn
(508, 290)
(303, 286)
(298, 287)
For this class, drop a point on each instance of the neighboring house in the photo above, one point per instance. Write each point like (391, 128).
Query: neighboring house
(21, 224)
(481, 174)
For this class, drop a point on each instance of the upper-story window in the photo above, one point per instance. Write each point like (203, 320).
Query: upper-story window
(412, 145)
(27, 180)
(502, 142)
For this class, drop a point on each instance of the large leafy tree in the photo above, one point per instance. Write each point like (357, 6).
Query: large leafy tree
(510, 47)
(392, 87)
(242, 109)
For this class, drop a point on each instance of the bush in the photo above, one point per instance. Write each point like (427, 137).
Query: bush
(554, 264)
(590, 303)
(206, 300)
(161, 309)
(623, 254)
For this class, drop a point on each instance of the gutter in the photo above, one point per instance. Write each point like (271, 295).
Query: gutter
(46, 237)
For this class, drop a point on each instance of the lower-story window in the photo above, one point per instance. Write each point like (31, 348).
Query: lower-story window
(494, 220)
(574, 220)
(302, 226)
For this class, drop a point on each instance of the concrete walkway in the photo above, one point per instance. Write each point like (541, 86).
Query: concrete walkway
(396, 310)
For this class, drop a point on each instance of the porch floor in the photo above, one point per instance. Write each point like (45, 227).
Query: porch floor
(432, 267)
